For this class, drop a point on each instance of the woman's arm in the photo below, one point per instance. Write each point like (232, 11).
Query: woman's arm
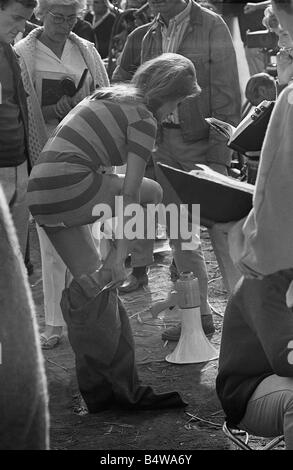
(135, 170)
(140, 138)
(115, 261)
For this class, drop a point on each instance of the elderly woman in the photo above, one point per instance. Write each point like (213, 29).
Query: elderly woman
(48, 55)
(71, 184)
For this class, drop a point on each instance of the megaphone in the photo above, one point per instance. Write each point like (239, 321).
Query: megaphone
(193, 346)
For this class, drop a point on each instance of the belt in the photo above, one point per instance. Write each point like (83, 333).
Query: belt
(171, 125)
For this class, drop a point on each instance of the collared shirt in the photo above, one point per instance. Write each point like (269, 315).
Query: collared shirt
(173, 33)
(49, 69)
(171, 38)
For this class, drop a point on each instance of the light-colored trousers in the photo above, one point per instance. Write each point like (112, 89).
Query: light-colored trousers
(53, 275)
(219, 240)
(14, 182)
(269, 412)
(173, 151)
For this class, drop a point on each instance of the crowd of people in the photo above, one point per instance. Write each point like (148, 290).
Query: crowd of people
(87, 88)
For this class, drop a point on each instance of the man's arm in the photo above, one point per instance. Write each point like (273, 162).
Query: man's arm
(271, 319)
(224, 89)
(130, 58)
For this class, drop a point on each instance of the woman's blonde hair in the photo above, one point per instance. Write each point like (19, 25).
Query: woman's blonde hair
(168, 77)
(45, 5)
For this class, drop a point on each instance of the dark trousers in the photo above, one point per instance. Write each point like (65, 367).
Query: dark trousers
(101, 338)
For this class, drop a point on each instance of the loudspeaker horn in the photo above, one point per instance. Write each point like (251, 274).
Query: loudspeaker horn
(193, 346)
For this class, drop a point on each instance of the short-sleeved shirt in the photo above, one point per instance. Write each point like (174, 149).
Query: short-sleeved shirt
(96, 133)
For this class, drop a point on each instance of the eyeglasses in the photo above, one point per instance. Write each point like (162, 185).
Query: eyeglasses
(60, 19)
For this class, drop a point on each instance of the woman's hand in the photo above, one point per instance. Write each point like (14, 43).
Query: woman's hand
(255, 154)
(249, 8)
(67, 103)
(63, 106)
(114, 267)
(78, 97)
(284, 67)
(248, 272)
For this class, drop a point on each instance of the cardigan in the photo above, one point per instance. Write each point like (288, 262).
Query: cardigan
(26, 49)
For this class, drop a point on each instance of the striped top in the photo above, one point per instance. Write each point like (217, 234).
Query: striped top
(101, 132)
(95, 133)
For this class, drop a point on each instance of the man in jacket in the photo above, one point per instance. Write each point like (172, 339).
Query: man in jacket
(24, 423)
(183, 26)
(13, 115)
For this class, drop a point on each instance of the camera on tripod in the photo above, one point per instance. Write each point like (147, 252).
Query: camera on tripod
(267, 41)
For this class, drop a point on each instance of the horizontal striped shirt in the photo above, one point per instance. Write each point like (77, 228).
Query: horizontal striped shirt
(96, 133)
(102, 132)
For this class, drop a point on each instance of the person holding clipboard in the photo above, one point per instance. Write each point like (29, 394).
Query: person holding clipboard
(255, 378)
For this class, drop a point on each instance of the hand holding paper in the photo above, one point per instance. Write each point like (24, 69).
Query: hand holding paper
(249, 135)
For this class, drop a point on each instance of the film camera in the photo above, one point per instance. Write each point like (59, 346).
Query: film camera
(268, 42)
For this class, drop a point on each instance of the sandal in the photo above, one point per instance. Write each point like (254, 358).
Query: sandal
(51, 342)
